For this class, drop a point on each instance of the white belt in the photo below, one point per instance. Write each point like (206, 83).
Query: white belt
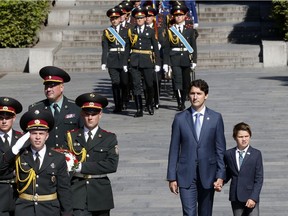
(179, 49)
(117, 49)
(80, 175)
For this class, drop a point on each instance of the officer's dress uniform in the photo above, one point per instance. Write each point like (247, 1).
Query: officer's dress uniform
(68, 119)
(51, 179)
(115, 57)
(180, 60)
(92, 188)
(143, 58)
(8, 193)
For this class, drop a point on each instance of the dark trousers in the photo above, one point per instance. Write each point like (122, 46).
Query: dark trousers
(181, 78)
(194, 195)
(239, 209)
(118, 77)
(137, 74)
(84, 212)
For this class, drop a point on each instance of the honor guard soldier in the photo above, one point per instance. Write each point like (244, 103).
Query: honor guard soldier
(115, 53)
(161, 34)
(182, 53)
(125, 17)
(43, 182)
(9, 107)
(97, 151)
(66, 113)
(144, 60)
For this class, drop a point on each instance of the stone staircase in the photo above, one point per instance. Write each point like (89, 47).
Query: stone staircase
(229, 34)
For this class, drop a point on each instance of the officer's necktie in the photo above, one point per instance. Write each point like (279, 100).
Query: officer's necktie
(89, 140)
(241, 157)
(197, 124)
(56, 111)
(37, 161)
(179, 28)
(6, 142)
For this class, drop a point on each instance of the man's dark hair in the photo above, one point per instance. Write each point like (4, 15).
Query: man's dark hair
(201, 84)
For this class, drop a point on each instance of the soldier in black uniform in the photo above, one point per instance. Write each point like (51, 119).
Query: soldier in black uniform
(161, 34)
(97, 151)
(115, 53)
(181, 58)
(9, 107)
(43, 182)
(65, 111)
(144, 60)
(125, 18)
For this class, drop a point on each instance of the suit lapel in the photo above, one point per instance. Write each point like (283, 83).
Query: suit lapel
(190, 122)
(247, 155)
(47, 160)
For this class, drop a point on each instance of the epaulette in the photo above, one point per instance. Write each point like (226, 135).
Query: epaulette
(37, 103)
(18, 133)
(73, 130)
(188, 25)
(70, 100)
(107, 131)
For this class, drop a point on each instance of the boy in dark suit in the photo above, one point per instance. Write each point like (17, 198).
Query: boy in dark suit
(245, 169)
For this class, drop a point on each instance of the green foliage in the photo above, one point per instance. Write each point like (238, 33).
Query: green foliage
(280, 15)
(20, 21)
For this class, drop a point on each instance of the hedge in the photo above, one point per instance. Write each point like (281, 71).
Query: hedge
(280, 15)
(20, 21)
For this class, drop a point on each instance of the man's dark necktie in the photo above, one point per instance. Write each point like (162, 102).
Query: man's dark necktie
(6, 142)
(179, 28)
(56, 111)
(89, 140)
(37, 161)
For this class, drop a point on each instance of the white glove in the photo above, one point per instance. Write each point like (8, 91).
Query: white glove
(193, 66)
(125, 68)
(78, 169)
(157, 68)
(195, 25)
(20, 142)
(159, 46)
(103, 67)
(166, 68)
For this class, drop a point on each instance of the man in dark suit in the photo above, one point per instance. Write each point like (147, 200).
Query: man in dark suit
(181, 54)
(41, 173)
(244, 167)
(9, 107)
(144, 60)
(115, 53)
(66, 113)
(97, 151)
(196, 155)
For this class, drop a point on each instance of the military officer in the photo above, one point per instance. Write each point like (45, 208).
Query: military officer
(125, 17)
(66, 113)
(9, 107)
(97, 151)
(41, 173)
(144, 60)
(115, 53)
(181, 54)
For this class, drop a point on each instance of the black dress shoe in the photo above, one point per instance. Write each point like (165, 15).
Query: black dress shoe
(150, 110)
(117, 110)
(138, 114)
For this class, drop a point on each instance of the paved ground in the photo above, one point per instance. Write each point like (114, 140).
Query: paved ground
(257, 96)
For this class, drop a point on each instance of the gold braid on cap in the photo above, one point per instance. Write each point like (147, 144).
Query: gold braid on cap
(30, 178)
(133, 37)
(109, 36)
(83, 152)
(174, 40)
